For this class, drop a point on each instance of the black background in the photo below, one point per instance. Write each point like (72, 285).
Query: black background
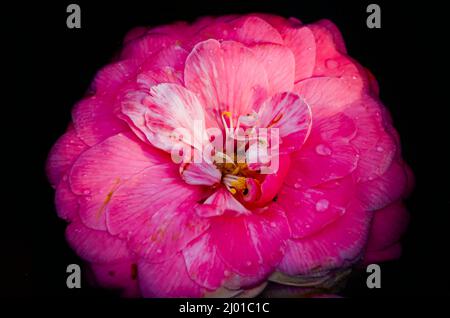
(53, 66)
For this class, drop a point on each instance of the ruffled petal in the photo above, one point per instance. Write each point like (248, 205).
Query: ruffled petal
(95, 246)
(254, 243)
(388, 225)
(154, 210)
(279, 64)
(302, 43)
(169, 279)
(94, 119)
(311, 210)
(63, 154)
(167, 115)
(389, 187)
(326, 155)
(288, 113)
(337, 246)
(226, 76)
(99, 171)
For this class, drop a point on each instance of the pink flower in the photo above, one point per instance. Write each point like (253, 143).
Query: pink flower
(222, 226)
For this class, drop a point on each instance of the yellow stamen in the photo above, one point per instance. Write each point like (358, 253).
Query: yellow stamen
(227, 114)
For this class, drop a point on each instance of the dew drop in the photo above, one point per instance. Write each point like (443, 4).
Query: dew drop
(226, 273)
(159, 251)
(248, 263)
(323, 150)
(379, 149)
(272, 224)
(331, 64)
(86, 192)
(322, 205)
(297, 185)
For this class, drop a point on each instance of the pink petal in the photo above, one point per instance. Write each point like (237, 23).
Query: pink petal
(310, 210)
(376, 145)
(94, 119)
(245, 29)
(140, 48)
(66, 201)
(389, 187)
(325, 31)
(327, 95)
(337, 245)
(100, 170)
(202, 173)
(219, 202)
(169, 279)
(164, 66)
(226, 76)
(273, 182)
(203, 263)
(288, 113)
(279, 64)
(154, 210)
(302, 43)
(251, 29)
(113, 76)
(255, 242)
(95, 246)
(122, 275)
(388, 225)
(326, 155)
(331, 60)
(63, 154)
(278, 22)
(168, 111)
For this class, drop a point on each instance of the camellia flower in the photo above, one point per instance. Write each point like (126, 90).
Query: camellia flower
(161, 207)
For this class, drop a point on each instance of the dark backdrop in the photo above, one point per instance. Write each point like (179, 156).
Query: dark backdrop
(53, 66)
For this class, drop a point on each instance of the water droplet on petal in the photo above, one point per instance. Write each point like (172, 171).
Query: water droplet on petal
(297, 185)
(272, 224)
(322, 205)
(226, 273)
(323, 150)
(379, 149)
(248, 263)
(86, 192)
(159, 251)
(332, 64)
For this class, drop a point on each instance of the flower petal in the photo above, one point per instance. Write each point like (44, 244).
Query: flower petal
(279, 64)
(154, 210)
(337, 246)
(388, 225)
(311, 210)
(62, 155)
(100, 170)
(254, 243)
(389, 187)
(326, 155)
(169, 279)
(302, 43)
(94, 119)
(290, 114)
(167, 115)
(95, 246)
(226, 76)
